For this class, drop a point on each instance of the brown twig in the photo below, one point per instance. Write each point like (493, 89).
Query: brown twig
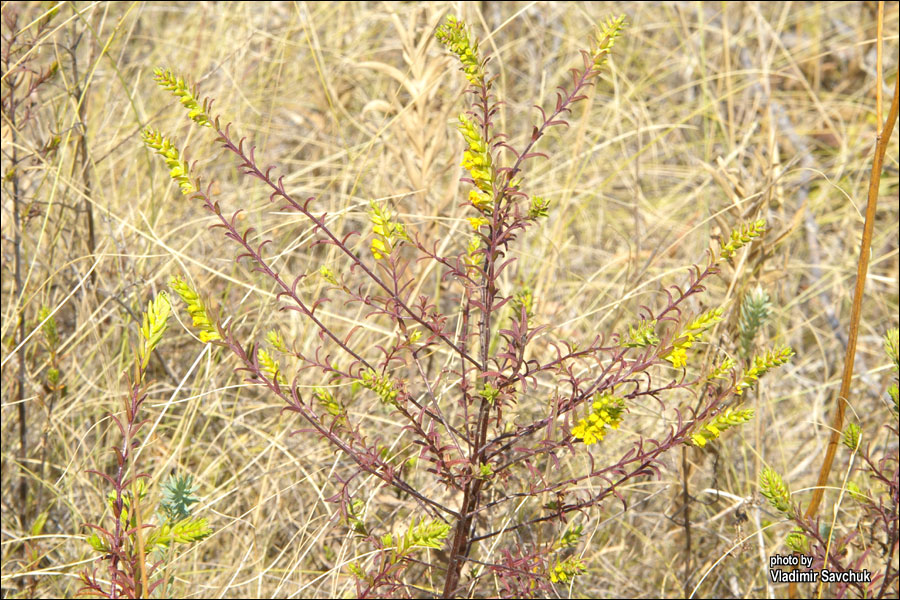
(879, 67)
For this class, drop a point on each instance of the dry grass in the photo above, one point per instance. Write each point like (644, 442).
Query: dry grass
(707, 118)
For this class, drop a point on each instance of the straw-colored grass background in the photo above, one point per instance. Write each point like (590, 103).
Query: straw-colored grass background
(709, 114)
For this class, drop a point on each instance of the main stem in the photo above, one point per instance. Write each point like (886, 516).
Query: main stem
(20, 295)
(459, 550)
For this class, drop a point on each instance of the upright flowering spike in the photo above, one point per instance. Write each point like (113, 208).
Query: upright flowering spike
(270, 366)
(762, 365)
(772, 486)
(851, 436)
(276, 340)
(539, 207)
(642, 336)
(383, 386)
(387, 232)
(330, 403)
(606, 38)
(196, 309)
(570, 537)
(797, 542)
(741, 237)
(692, 333)
(197, 112)
(455, 37)
(430, 534)
(565, 571)
(721, 422)
(892, 348)
(153, 326)
(523, 298)
(179, 169)
(51, 334)
(477, 160)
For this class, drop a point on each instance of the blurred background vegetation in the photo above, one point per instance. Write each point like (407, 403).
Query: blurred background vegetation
(709, 115)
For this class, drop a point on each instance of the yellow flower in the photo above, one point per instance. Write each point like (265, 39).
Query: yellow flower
(387, 232)
(566, 570)
(386, 389)
(607, 412)
(678, 357)
(196, 309)
(478, 162)
(692, 333)
(167, 80)
(606, 38)
(454, 36)
(721, 422)
(478, 222)
(179, 169)
(762, 365)
(741, 237)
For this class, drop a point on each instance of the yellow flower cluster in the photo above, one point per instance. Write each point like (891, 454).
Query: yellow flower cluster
(330, 403)
(762, 365)
(201, 320)
(607, 412)
(772, 487)
(382, 386)
(276, 340)
(167, 80)
(179, 169)
(270, 366)
(387, 233)
(563, 571)
(478, 162)
(692, 333)
(453, 35)
(478, 222)
(153, 326)
(328, 275)
(643, 335)
(606, 38)
(714, 428)
(720, 372)
(571, 537)
(741, 237)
